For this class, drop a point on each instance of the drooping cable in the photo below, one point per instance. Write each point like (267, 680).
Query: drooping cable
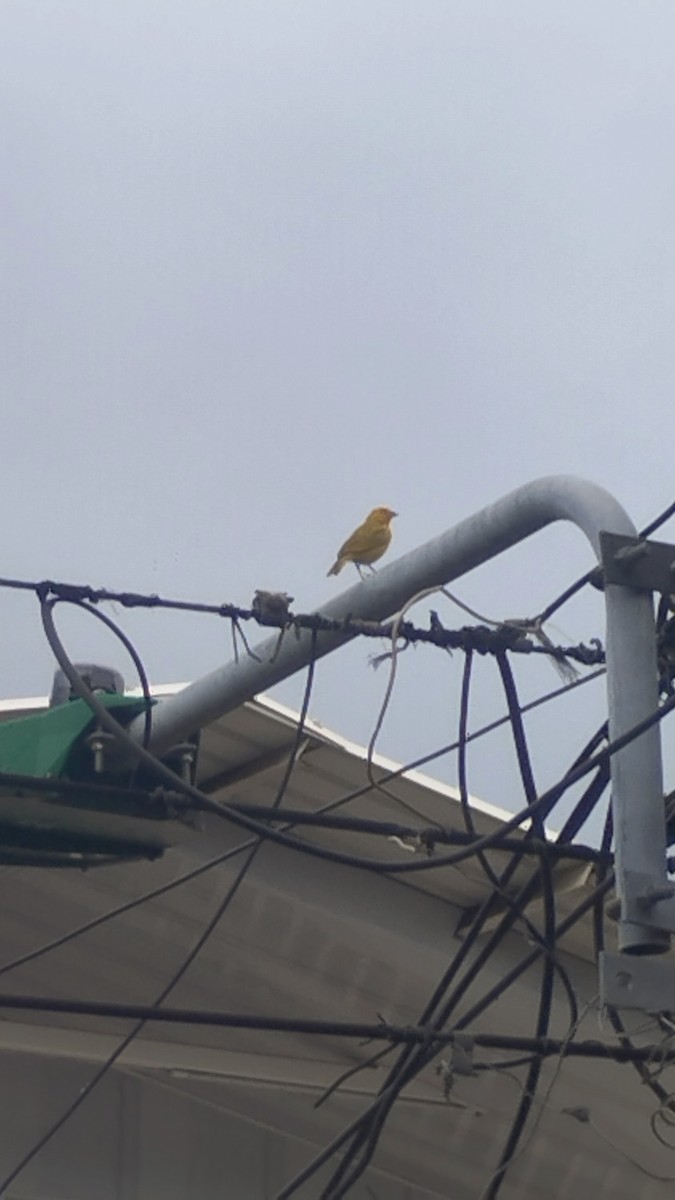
(185, 964)
(360, 1153)
(218, 860)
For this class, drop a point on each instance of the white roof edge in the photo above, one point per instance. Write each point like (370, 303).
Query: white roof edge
(30, 703)
(380, 760)
(274, 708)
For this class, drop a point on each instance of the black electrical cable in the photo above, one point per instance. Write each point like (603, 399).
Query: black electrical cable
(548, 939)
(34, 781)
(547, 1047)
(520, 1117)
(21, 783)
(126, 1041)
(658, 521)
(499, 882)
(519, 969)
(91, 596)
(226, 812)
(422, 1056)
(491, 944)
(204, 802)
(128, 906)
(566, 924)
(78, 685)
(534, 1070)
(584, 808)
(372, 1061)
(413, 1059)
(594, 572)
(190, 957)
(518, 730)
(277, 616)
(339, 1186)
(425, 835)
(404, 1069)
(135, 658)
(349, 1169)
(394, 1083)
(343, 1178)
(333, 1192)
(264, 833)
(433, 756)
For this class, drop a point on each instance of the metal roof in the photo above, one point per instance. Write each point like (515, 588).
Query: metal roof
(209, 1112)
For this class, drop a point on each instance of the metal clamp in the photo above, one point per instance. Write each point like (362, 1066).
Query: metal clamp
(647, 901)
(637, 563)
(632, 981)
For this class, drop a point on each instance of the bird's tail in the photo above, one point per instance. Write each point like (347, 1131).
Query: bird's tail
(336, 567)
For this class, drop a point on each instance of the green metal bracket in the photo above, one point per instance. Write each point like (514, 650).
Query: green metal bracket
(60, 827)
(42, 744)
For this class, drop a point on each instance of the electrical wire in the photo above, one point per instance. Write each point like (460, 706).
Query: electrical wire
(547, 939)
(357, 1158)
(497, 1177)
(226, 812)
(498, 883)
(81, 688)
(390, 1090)
(511, 976)
(135, 658)
(112, 1058)
(64, 662)
(534, 1069)
(218, 860)
(194, 950)
(376, 784)
(534, 810)
(585, 765)
(595, 572)
(220, 809)
(277, 615)
(527, 1046)
(433, 756)
(364, 1145)
(403, 1068)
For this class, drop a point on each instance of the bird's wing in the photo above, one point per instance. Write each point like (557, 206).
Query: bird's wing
(365, 541)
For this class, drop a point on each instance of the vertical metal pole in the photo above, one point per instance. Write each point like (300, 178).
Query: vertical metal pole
(637, 783)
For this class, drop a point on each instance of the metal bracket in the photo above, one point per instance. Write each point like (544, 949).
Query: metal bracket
(632, 981)
(461, 1054)
(647, 901)
(637, 563)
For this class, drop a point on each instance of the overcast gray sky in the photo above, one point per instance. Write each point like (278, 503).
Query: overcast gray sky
(267, 265)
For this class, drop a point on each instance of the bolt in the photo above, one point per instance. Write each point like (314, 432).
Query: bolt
(97, 742)
(186, 753)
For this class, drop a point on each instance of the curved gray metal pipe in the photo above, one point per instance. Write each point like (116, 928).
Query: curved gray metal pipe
(631, 656)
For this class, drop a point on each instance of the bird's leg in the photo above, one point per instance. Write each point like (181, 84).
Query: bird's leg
(358, 567)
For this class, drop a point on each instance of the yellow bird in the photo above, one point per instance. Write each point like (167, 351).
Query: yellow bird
(367, 543)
